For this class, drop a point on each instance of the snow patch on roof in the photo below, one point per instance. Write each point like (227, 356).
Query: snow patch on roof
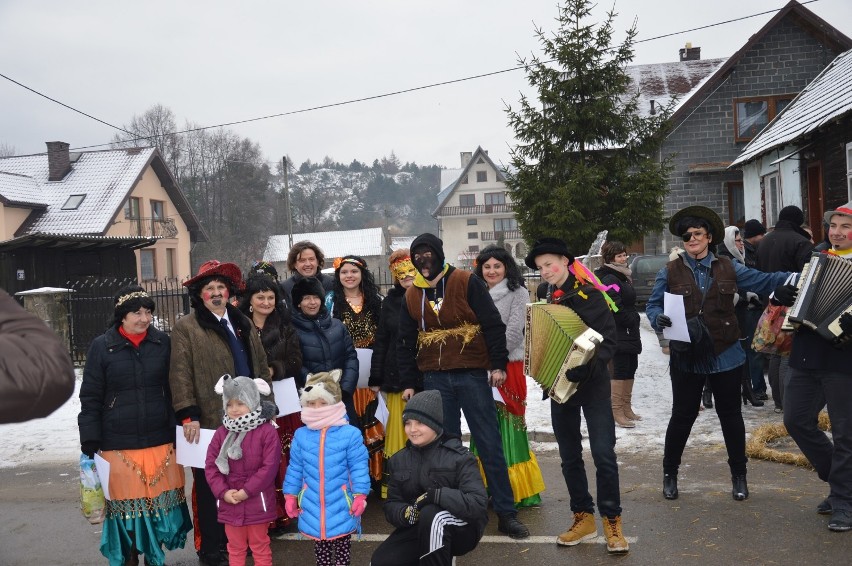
(366, 242)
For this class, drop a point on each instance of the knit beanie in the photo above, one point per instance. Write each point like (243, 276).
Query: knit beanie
(434, 243)
(792, 214)
(428, 408)
(753, 228)
(306, 286)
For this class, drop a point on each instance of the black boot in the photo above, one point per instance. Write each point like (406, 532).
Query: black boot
(748, 393)
(670, 486)
(707, 396)
(739, 490)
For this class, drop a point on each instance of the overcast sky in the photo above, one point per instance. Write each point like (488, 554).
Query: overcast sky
(215, 61)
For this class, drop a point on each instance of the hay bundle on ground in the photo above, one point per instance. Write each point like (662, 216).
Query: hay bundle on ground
(757, 447)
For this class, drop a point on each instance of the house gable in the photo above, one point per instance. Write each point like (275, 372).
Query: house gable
(470, 180)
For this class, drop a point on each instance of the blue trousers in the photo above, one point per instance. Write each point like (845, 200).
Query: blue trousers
(468, 390)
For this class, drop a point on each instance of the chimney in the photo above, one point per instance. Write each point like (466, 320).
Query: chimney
(690, 53)
(465, 158)
(58, 160)
(653, 107)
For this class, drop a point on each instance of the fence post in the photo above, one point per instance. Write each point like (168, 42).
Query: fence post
(49, 305)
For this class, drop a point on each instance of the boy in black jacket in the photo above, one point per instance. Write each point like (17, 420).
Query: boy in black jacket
(436, 498)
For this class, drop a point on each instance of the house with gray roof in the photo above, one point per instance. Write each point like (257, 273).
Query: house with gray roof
(115, 213)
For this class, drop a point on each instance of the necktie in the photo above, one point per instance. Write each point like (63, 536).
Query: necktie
(238, 351)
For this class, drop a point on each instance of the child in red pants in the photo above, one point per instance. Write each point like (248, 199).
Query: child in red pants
(242, 461)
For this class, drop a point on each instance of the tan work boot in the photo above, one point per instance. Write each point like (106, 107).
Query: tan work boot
(618, 405)
(627, 397)
(584, 528)
(615, 541)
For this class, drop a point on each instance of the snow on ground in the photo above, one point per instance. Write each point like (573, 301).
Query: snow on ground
(55, 439)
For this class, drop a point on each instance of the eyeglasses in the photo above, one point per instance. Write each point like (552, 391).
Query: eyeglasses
(687, 236)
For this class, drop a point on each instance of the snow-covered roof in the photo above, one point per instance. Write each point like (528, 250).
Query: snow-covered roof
(826, 99)
(661, 82)
(366, 242)
(399, 242)
(105, 177)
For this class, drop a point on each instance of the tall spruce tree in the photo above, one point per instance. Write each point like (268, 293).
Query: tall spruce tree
(585, 160)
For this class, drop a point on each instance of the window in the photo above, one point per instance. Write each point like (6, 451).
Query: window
(505, 224)
(772, 197)
(472, 235)
(131, 208)
(482, 176)
(471, 222)
(147, 264)
(495, 198)
(474, 249)
(157, 210)
(736, 204)
(170, 263)
(849, 169)
(752, 114)
(467, 200)
(73, 202)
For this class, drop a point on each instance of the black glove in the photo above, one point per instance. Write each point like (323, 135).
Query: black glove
(663, 321)
(89, 448)
(431, 496)
(846, 323)
(409, 515)
(578, 374)
(785, 295)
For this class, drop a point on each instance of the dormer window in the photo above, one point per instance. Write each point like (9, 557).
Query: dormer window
(73, 202)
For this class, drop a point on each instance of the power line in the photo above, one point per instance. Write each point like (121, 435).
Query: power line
(354, 100)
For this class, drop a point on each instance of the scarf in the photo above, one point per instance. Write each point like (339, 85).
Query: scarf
(135, 339)
(318, 418)
(237, 429)
(623, 269)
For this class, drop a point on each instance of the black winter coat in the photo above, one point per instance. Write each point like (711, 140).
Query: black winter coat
(125, 398)
(445, 464)
(326, 345)
(627, 317)
(384, 372)
(786, 248)
(281, 344)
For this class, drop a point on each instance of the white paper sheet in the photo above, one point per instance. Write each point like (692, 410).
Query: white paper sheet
(365, 360)
(102, 466)
(286, 396)
(191, 454)
(382, 413)
(674, 309)
(497, 396)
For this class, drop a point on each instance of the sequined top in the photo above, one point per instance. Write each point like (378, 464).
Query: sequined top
(362, 325)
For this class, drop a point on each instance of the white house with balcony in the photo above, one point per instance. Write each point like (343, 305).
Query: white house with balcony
(475, 210)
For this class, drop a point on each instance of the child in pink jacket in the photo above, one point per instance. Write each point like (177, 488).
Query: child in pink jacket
(241, 464)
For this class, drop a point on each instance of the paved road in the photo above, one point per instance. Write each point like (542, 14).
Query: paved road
(40, 523)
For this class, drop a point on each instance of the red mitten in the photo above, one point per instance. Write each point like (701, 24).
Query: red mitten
(291, 506)
(359, 505)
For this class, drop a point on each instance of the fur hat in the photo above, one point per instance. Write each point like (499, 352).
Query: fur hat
(212, 268)
(717, 227)
(547, 246)
(845, 210)
(306, 286)
(792, 214)
(248, 391)
(322, 385)
(426, 407)
(753, 228)
(434, 243)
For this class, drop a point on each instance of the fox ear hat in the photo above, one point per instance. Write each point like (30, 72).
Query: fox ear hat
(322, 385)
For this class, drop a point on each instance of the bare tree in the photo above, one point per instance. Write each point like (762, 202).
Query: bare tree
(6, 150)
(154, 127)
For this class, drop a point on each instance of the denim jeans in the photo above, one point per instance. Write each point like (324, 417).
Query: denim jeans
(807, 392)
(566, 427)
(469, 391)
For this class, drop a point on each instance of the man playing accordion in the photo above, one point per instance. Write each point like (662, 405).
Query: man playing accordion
(821, 371)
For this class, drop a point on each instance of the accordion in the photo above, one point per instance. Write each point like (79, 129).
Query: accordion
(556, 340)
(825, 293)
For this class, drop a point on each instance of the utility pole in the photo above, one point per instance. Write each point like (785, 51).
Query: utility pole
(287, 202)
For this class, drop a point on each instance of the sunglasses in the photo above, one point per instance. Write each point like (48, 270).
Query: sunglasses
(687, 236)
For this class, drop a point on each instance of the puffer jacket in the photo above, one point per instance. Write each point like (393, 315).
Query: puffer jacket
(201, 355)
(328, 468)
(445, 464)
(125, 402)
(254, 472)
(513, 308)
(627, 317)
(36, 373)
(384, 372)
(326, 345)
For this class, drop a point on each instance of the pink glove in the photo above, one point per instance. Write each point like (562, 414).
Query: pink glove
(359, 505)
(291, 506)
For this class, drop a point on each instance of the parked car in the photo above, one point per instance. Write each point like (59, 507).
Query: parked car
(644, 270)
